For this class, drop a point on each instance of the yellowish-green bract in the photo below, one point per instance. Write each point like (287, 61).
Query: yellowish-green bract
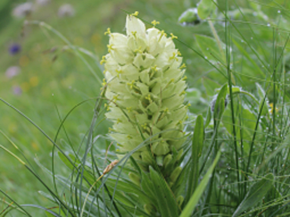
(145, 90)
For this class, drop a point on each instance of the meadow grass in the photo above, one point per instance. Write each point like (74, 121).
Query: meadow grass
(59, 116)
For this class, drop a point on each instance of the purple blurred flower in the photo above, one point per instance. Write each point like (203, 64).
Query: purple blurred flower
(17, 90)
(14, 49)
(12, 71)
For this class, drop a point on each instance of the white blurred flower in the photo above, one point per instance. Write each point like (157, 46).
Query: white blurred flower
(23, 10)
(66, 10)
(12, 71)
(43, 2)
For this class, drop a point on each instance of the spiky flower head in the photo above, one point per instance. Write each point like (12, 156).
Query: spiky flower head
(145, 91)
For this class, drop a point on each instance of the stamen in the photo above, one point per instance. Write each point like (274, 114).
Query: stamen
(182, 66)
(182, 93)
(110, 48)
(107, 106)
(162, 33)
(138, 50)
(119, 72)
(134, 33)
(173, 36)
(148, 98)
(173, 56)
(104, 82)
(154, 23)
(131, 84)
(135, 14)
(103, 60)
(108, 32)
(154, 68)
(115, 98)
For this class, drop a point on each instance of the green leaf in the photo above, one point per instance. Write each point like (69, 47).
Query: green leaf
(205, 8)
(210, 85)
(220, 102)
(196, 148)
(198, 136)
(247, 126)
(208, 117)
(127, 186)
(235, 89)
(65, 160)
(166, 202)
(255, 194)
(255, 6)
(246, 54)
(200, 189)
(193, 95)
(262, 93)
(189, 16)
(210, 48)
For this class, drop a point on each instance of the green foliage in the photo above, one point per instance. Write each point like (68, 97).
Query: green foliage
(234, 157)
(255, 194)
(210, 48)
(161, 194)
(206, 8)
(200, 189)
(196, 149)
(189, 16)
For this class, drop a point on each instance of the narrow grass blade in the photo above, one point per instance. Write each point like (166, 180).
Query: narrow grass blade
(200, 189)
(210, 47)
(197, 144)
(246, 54)
(16, 204)
(255, 194)
(43, 208)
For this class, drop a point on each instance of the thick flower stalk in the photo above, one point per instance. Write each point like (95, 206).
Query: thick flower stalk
(145, 92)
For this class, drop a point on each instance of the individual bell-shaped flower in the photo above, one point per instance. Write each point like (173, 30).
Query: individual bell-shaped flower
(145, 91)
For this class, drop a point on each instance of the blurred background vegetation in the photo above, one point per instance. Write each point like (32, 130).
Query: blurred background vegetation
(52, 79)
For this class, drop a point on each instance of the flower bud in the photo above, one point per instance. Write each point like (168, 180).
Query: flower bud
(167, 160)
(174, 175)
